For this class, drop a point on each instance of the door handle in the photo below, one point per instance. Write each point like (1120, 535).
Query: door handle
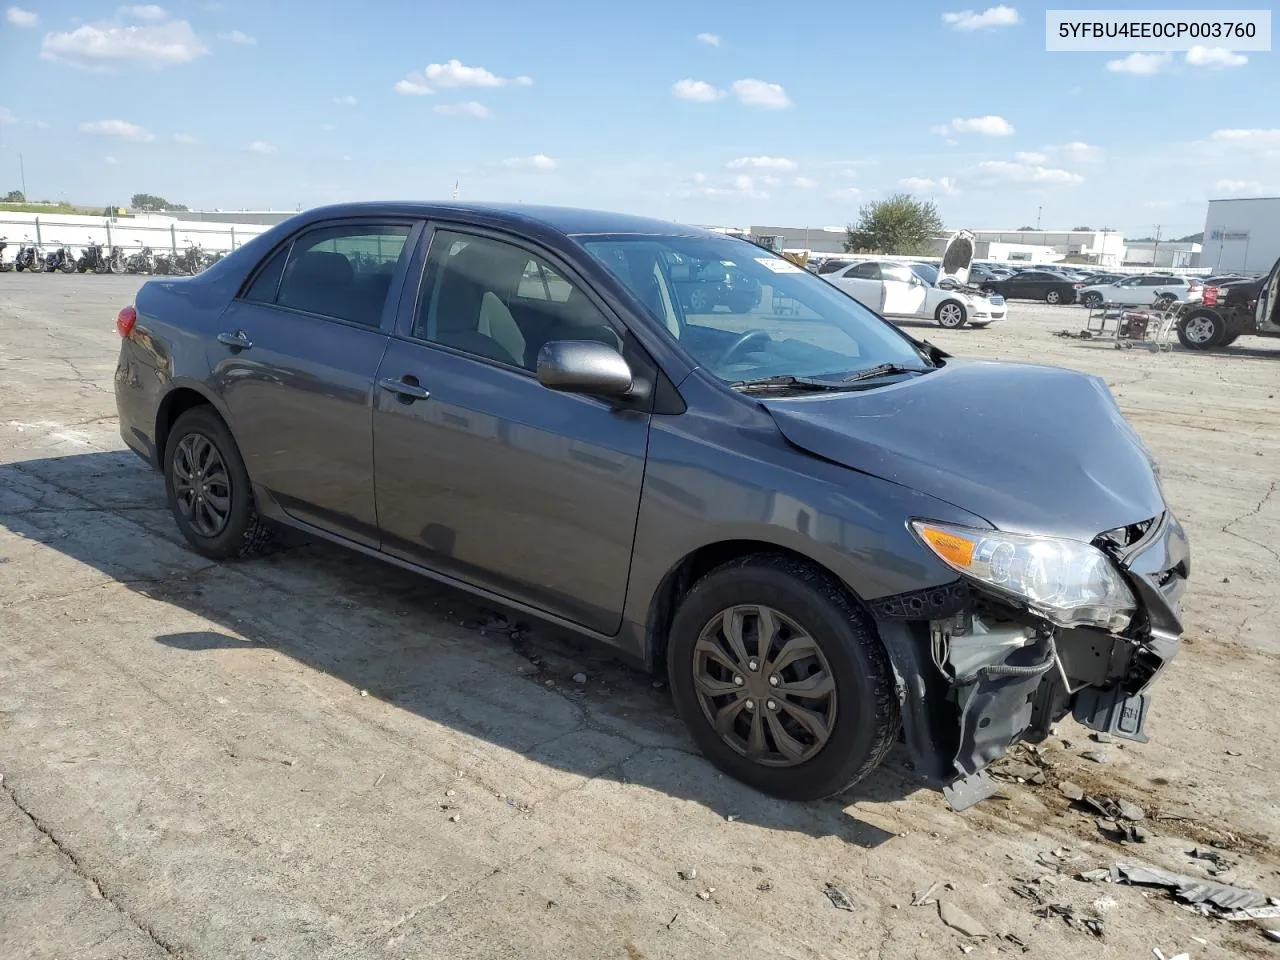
(408, 389)
(239, 340)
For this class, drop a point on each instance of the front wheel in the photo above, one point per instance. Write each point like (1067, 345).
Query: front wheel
(1202, 330)
(208, 488)
(951, 314)
(700, 300)
(1091, 300)
(781, 679)
(1053, 296)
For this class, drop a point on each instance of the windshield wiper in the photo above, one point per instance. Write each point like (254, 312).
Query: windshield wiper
(786, 382)
(883, 370)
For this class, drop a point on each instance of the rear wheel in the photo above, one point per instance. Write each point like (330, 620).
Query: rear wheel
(781, 678)
(1053, 296)
(1092, 299)
(1202, 330)
(208, 488)
(951, 314)
(700, 300)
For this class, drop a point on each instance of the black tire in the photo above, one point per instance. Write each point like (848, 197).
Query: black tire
(244, 533)
(867, 718)
(700, 300)
(951, 314)
(1202, 330)
(1091, 299)
(1229, 339)
(1053, 297)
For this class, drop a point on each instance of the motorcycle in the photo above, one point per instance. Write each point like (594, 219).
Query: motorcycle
(61, 259)
(190, 261)
(28, 258)
(162, 265)
(141, 262)
(5, 265)
(92, 259)
(115, 260)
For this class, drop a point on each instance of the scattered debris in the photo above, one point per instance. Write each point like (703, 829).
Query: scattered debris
(764, 886)
(1234, 753)
(1072, 791)
(1230, 903)
(1059, 857)
(1220, 863)
(1253, 913)
(706, 894)
(1017, 942)
(1272, 935)
(454, 818)
(1102, 738)
(451, 793)
(957, 919)
(923, 899)
(731, 817)
(690, 874)
(1093, 876)
(1097, 756)
(379, 779)
(1104, 904)
(364, 693)
(672, 920)
(1130, 811)
(1067, 912)
(1016, 770)
(579, 678)
(839, 899)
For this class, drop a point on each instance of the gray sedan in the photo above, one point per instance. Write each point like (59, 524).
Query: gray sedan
(827, 534)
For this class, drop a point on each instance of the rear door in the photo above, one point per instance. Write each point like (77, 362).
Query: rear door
(862, 282)
(904, 292)
(485, 475)
(294, 363)
(1267, 310)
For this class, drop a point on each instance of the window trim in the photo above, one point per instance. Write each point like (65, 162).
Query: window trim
(395, 292)
(407, 312)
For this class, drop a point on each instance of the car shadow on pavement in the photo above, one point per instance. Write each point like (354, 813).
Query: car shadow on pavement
(422, 647)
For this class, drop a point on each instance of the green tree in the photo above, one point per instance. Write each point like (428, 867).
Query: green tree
(149, 201)
(1082, 228)
(15, 196)
(900, 224)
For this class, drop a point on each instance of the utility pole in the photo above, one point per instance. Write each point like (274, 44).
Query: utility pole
(22, 175)
(1038, 209)
(1155, 250)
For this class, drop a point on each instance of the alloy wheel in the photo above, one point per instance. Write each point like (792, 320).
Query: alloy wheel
(1052, 296)
(699, 300)
(764, 685)
(950, 315)
(1199, 330)
(202, 485)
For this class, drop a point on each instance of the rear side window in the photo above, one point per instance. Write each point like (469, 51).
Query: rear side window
(343, 272)
(893, 271)
(267, 282)
(865, 271)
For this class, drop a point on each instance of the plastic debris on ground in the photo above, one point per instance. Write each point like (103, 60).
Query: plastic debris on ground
(1212, 899)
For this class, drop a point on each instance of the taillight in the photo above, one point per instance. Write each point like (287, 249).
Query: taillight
(125, 320)
(1078, 286)
(1210, 296)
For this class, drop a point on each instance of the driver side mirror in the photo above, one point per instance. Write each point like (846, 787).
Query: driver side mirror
(584, 366)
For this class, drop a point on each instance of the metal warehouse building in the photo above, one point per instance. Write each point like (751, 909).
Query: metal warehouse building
(1242, 235)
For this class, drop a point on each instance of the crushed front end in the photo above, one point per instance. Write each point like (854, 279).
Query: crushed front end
(998, 657)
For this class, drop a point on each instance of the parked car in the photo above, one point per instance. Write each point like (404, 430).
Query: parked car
(1099, 279)
(832, 264)
(1034, 285)
(1142, 290)
(1230, 310)
(819, 527)
(920, 291)
(705, 285)
(980, 273)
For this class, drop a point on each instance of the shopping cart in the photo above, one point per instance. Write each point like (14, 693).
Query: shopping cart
(1154, 326)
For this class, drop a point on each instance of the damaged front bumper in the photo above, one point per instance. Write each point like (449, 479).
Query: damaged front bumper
(977, 674)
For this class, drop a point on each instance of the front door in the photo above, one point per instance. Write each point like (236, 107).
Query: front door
(482, 473)
(294, 364)
(1267, 309)
(862, 282)
(904, 292)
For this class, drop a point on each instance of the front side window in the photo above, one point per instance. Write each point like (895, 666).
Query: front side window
(799, 324)
(865, 271)
(343, 272)
(895, 271)
(495, 300)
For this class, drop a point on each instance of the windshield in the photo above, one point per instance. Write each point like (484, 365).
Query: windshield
(744, 313)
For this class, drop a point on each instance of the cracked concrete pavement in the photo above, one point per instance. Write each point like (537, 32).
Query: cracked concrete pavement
(265, 759)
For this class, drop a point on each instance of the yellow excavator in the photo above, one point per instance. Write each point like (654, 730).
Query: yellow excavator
(774, 244)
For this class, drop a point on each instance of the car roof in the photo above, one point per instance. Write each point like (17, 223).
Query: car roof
(569, 221)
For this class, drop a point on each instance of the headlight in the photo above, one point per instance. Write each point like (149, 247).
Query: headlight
(1069, 583)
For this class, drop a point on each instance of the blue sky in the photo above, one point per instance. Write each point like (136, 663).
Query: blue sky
(712, 112)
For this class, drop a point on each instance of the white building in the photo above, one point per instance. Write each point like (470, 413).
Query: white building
(1105, 247)
(1242, 235)
(1167, 253)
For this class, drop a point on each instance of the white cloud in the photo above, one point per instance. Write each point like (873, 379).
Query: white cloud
(1252, 135)
(758, 93)
(328, 127)
(186, 139)
(101, 47)
(238, 36)
(804, 183)
(740, 187)
(470, 108)
(110, 161)
(1010, 172)
(845, 193)
(21, 18)
(262, 147)
(1076, 150)
(1215, 57)
(147, 12)
(346, 159)
(454, 74)
(762, 163)
(710, 39)
(988, 126)
(345, 101)
(1237, 186)
(6, 116)
(117, 129)
(538, 161)
(926, 185)
(967, 20)
(695, 91)
(1141, 64)
(1030, 156)
(413, 85)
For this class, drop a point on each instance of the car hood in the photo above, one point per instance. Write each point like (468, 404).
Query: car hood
(957, 258)
(1030, 449)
